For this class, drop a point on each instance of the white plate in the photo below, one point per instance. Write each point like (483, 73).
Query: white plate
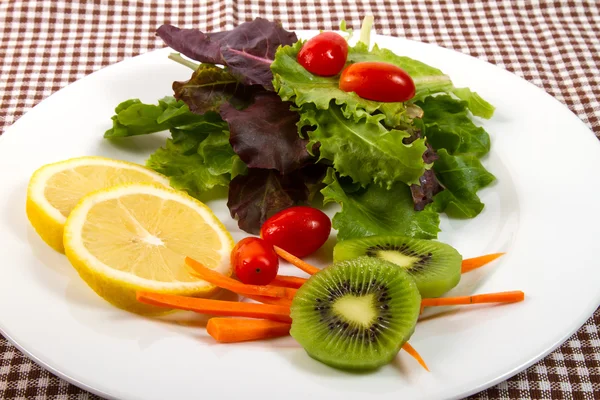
(542, 210)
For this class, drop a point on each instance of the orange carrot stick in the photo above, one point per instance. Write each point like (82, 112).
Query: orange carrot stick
(278, 301)
(473, 263)
(232, 330)
(500, 297)
(228, 283)
(216, 307)
(288, 281)
(292, 259)
(415, 354)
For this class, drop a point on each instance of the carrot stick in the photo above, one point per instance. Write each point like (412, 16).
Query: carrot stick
(232, 330)
(216, 307)
(415, 354)
(278, 301)
(292, 259)
(238, 287)
(288, 281)
(473, 263)
(500, 297)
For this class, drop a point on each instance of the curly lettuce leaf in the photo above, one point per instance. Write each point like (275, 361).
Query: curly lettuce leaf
(377, 211)
(186, 172)
(238, 167)
(427, 79)
(265, 134)
(462, 177)
(446, 125)
(210, 87)
(187, 142)
(247, 50)
(198, 156)
(294, 83)
(172, 109)
(364, 150)
(217, 154)
(259, 194)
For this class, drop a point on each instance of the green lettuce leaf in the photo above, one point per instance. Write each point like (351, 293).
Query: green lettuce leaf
(446, 125)
(187, 142)
(172, 108)
(238, 168)
(185, 172)
(427, 79)
(377, 211)
(133, 118)
(217, 154)
(188, 137)
(462, 177)
(198, 157)
(477, 105)
(364, 150)
(294, 83)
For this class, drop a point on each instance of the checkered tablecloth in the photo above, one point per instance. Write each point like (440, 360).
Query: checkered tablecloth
(45, 45)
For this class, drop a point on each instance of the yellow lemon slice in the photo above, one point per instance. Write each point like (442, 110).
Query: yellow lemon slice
(55, 189)
(136, 237)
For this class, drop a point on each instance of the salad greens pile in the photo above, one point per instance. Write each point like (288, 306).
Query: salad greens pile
(253, 120)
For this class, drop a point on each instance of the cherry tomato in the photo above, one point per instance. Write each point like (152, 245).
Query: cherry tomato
(378, 81)
(298, 230)
(324, 54)
(254, 261)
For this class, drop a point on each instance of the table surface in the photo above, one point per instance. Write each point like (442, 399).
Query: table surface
(46, 45)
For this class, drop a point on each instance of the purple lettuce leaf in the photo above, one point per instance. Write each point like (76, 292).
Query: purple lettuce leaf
(255, 197)
(210, 87)
(429, 185)
(197, 45)
(265, 134)
(423, 194)
(248, 50)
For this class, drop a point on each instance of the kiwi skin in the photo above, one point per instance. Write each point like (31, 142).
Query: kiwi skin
(435, 266)
(343, 339)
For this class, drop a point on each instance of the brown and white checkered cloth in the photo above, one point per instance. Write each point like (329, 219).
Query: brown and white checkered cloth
(46, 45)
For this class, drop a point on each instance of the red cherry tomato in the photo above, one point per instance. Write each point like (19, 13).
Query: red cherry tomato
(254, 261)
(378, 81)
(324, 54)
(298, 230)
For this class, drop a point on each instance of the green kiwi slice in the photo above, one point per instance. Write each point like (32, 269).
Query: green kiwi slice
(434, 266)
(356, 314)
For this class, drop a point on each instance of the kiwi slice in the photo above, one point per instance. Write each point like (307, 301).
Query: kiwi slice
(434, 266)
(356, 314)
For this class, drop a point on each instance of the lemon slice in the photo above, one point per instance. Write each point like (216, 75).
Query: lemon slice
(136, 237)
(56, 188)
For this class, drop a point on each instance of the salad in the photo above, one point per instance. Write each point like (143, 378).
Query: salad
(287, 126)
(253, 119)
